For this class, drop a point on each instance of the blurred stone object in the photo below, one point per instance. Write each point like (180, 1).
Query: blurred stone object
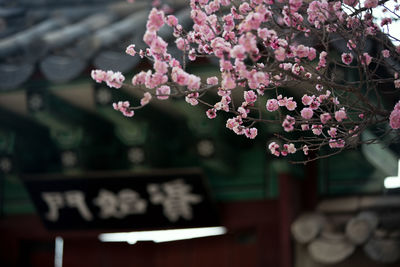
(307, 227)
(371, 222)
(359, 228)
(330, 248)
(385, 250)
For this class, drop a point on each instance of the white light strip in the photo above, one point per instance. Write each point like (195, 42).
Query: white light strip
(393, 181)
(58, 255)
(162, 235)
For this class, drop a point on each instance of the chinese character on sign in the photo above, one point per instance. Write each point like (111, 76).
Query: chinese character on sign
(175, 197)
(119, 205)
(71, 199)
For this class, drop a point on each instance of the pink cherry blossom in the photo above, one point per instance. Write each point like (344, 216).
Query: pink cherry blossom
(123, 106)
(366, 59)
(211, 113)
(351, 2)
(179, 76)
(386, 21)
(325, 117)
(243, 112)
(172, 21)
(316, 129)
(114, 79)
(198, 16)
(302, 51)
(370, 3)
(158, 46)
(290, 148)
(250, 97)
(307, 113)
(265, 47)
(312, 54)
(98, 75)
(305, 127)
(288, 123)
(192, 98)
(227, 81)
(340, 115)
(146, 99)
(193, 82)
(322, 58)
(130, 50)
(280, 54)
(385, 53)
(395, 117)
(232, 123)
(160, 67)
(156, 20)
(239, 52)
(239, 130)
(347, 58)
(163, 92)
(212, 80)
(251, 132)
(181, 44)
(332, 132)
(333, 143)
(318, 12)
(244, 8)
(315, 104)
(272, 105)
(307, 100)
(274, 148)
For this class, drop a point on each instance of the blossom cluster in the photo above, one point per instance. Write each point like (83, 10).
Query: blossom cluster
(395, 117)
(266, 47)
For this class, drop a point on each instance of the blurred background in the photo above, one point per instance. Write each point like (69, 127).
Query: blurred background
(56, 123)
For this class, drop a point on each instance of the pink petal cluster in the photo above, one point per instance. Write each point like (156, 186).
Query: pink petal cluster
(212, 80)
(370, 3)
(211, 113)
(277, 151)
(112, 79)
(366, 59)
(385, 53)
(253, 54)
(163, 92)
(325, 117)
(288, 123)
(340, 115)
(130, 50)
(146, 99)
(156, 20)
(251, 133)
(123, 106)
(394, 118)
(316, 129)
(347, 58)
(339, 143)
(272, 105)
(307, 113)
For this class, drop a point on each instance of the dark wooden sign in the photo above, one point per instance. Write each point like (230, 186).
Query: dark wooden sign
(156, 199)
